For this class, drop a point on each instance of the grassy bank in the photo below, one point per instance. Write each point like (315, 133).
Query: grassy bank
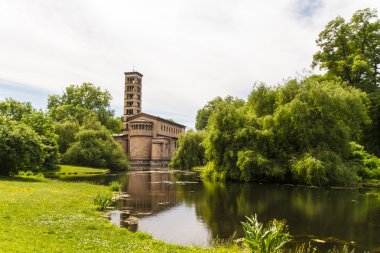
(77, 170)
(43, 215)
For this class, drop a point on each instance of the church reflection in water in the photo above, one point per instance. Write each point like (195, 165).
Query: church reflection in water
(147, 194)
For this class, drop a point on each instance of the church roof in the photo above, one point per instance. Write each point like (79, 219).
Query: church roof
(154, 117)
(133, 73)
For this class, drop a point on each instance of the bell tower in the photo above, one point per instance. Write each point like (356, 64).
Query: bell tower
(132, 93)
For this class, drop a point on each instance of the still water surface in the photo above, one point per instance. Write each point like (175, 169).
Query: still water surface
(177, 207)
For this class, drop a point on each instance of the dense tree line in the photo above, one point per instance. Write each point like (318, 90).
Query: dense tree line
(350, 51)
(27, 138)
(315, 130)
(77, 129)
(305, 131)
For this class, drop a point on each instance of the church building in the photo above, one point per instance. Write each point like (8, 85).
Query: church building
(148, 140)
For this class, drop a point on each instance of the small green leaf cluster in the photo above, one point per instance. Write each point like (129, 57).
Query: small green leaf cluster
(115, 186)
(265, 239)
(102, 201)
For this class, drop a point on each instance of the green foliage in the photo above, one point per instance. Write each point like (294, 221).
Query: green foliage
(223, 139)
(95, 147)
(372, 134)
(66, 132)
(300, 131)
(190, 152)
(205, 113)
(39, 122)
(262, 100)
(21, 148)
(265, 239)
(102, 201)
(81, 101)
(351, 51)
(252, 165)
(368, 164)
(310, 170)
(115, 186)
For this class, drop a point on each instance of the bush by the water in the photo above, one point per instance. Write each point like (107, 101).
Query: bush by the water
(265, 239)
(115, 186)
(95, 147)
(102, 201)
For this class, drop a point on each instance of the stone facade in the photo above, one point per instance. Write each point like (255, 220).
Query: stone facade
(148, 140)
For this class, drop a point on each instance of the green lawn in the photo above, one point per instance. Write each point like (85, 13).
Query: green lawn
(70, 169)
(44, 215)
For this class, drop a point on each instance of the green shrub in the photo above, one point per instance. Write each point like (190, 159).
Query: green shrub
(21, 147)
(95, 147)
(102, 201)
(368, 164)
(190, 152)
(308, 169)
(265, 239)
(115, 186)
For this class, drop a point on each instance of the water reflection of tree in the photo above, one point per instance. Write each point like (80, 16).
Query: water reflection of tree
(345, 214)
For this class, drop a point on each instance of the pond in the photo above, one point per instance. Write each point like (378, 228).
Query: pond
(178, 207)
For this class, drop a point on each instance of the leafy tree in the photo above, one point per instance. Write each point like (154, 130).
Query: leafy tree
(372, 132)
(15, 110)
(204, 113)
(66, 132)
(351, 50)
(190, 152)
(79, 101)
(223, 140)
(95, 147)
(20, 147)
(262, 100)
(301, 131)
(39, 121)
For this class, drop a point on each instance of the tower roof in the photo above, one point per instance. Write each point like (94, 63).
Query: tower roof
(133, 73)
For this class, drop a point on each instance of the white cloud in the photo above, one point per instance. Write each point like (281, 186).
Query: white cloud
(188, 51)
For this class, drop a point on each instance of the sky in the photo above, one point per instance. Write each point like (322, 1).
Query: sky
(188, 51)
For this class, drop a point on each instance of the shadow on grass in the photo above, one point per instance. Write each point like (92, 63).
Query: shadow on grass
(21, 179)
